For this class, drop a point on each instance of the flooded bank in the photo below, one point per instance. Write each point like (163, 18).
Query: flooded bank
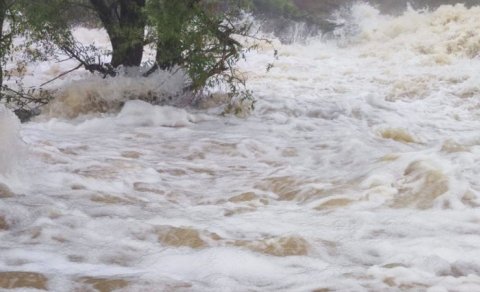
(357, 171)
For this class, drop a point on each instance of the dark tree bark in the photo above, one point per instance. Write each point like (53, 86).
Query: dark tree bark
(125, 25)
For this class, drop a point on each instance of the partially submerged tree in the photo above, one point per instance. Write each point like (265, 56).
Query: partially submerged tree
(4, 41)
(198, 37)
(12, 25)
(5, 35)
(124, 21)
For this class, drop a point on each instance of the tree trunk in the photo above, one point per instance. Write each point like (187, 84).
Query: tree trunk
(3, 44)
(125, 25)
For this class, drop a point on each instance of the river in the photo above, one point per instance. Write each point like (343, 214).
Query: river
(358, 170)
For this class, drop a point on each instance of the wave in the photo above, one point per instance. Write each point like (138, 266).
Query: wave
(450, 30)
(97, 95)
(10, 143)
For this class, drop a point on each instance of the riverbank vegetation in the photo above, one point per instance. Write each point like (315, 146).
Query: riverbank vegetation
(200, 38)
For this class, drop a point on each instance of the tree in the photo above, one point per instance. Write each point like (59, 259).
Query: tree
(50, 23)
(285, 8)
(5, 37)
(4, 42)
(125, 23)
(169, 44)
(198, 37)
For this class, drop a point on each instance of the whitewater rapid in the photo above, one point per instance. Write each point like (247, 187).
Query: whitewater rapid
(357, 171)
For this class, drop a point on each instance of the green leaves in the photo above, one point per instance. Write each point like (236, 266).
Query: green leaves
(201, 37)
(285, 8)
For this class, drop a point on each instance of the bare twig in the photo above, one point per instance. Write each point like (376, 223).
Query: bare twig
(61, 75)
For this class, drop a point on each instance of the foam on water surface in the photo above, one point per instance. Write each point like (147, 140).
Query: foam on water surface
(358, 171)
(12, 154)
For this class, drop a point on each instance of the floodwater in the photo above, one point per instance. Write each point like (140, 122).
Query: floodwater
(358, 171)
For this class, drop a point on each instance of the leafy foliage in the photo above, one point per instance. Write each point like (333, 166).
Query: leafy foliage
(285, 8)
(203, 38)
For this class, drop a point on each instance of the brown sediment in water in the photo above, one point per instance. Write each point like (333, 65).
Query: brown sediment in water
(110, 200)
(184, 236)
(17, 280)
(323, 290)
(289, 188)
(73, 150)
(289, 152)
(420, 186)
(450, 146)
(237, 211)
(245, 197)
(131, 154)
(414, 286)
(173, 171)
(278, 246)
(199, 170)
(470, 199)
(396, 134)
(103, 172)
(5, 191)
(393, 265)
(3, 223)
(50, 159)
(286, 187)
(389, 157)
(76, 258)
(74, 102)
(103, 284)
(78, 187)
(334, 203)
(147, 188)
(410, 88)
(197, 155)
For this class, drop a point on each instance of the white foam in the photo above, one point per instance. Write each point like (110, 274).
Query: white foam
(358, 170)
(449, 30)
(10, 145)
(140, 113)
(98, 95)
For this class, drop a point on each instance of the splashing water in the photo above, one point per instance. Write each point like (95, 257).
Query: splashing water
(96, 95)
(9, 141)
(358, 171)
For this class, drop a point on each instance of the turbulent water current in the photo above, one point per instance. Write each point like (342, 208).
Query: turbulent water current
(358, 171)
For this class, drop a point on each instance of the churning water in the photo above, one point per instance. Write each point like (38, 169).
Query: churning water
(358, 171)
